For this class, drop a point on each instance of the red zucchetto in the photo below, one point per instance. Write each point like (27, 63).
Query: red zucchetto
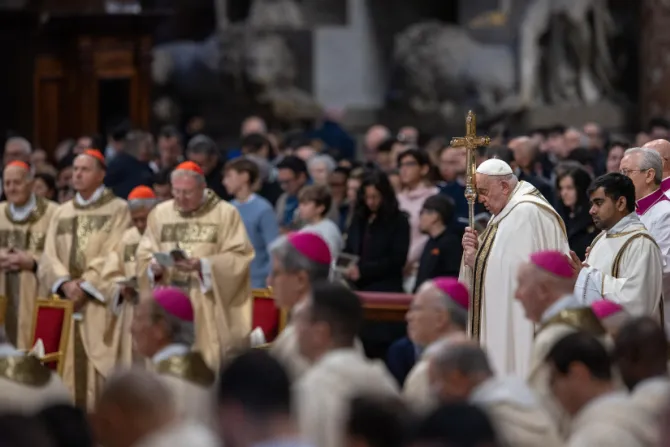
(190, 166)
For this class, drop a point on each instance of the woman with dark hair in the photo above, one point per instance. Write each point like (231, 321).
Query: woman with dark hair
(45, 186)
(573, 206)
(379, 236)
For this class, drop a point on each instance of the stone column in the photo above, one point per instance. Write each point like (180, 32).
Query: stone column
(654, 97)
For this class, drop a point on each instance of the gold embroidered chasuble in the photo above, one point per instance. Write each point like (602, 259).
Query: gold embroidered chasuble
(527, 224)
(78, 242)
(121, 265)
(21, 289)
(215, 234)
(27, 387)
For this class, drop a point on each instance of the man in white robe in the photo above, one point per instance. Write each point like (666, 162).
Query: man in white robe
(162, 331)
(26, 386)
(298, 260)
(581, 377)
(327, 325)
(645, 169)
(544, 289)
(523, 222)
(439, 309)
(460, 371)
(624, 263)
(662, 147)
(136, 409)
(641, 353)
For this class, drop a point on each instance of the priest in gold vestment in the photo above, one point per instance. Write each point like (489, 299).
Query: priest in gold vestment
(208, 256)
(119, 274)
(163, 332)
(83, 231)
(24, 220)
(26, 386)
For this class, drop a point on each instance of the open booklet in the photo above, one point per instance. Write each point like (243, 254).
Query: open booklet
(92, 291)
(168, 259)
(344, 261)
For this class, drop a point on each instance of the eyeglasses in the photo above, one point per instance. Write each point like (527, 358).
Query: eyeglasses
(626, 172)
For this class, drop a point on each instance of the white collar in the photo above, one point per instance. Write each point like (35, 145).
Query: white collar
(95, 196)
(21, 213)
(7, 350)
(565, 302)
(620, 226)
(171, 350)
(503, 389)
(659, 383)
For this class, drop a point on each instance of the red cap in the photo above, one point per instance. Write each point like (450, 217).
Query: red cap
(605, 308)
(190, 166)
(455, 289)
(553, 262)
(18, 164)
(175, 302)
(141, 192)
(311, 245)
(95, 154)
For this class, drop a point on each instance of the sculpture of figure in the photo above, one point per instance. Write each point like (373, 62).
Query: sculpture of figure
(444, 66)
(285, 14)
(583, 81)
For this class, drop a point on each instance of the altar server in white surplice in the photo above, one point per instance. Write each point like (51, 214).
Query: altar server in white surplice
(641, 353)
(544, 290)
(523, 222)
(327, 325)
(644, 167)
(624, 264)
(581, 377)
(439, 308)
(460, 370)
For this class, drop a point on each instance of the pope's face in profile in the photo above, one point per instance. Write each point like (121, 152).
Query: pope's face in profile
(188, 191)
(492, 193)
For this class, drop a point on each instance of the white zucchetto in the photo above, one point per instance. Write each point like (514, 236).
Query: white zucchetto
(494, 167)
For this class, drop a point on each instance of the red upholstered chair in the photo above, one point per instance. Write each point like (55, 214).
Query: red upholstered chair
(265, 314)
(51, 324)
(3, 309)
(380, 306)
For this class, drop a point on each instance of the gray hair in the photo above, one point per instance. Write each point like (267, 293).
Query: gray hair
(293, 261)
(142, 204)
(186, 173)
(467, 358)
(459, 316)
(325, 159)
(27, 147)
(650, 160)
(179, 331)
(202, 144)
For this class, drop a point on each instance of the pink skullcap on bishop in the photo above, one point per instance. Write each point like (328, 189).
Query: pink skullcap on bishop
(175, 302)
(456, 290)
(553, 262)
(311, 245)
(605, 308)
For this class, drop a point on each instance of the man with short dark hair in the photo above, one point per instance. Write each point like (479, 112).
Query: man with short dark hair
(203, 150)
(161, 185)
(292, 177)
(641, 355)
(170, 148)
(240, 177)
(442, 253)
(378, 422)
(327, 327)
(130, 166)
(624, 264)
(581, 378)
(255, 403)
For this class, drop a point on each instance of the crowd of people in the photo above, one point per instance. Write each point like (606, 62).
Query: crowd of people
(543, 324)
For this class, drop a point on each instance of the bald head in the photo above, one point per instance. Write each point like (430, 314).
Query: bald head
(375, 136)
(253, 125)
(663, 148)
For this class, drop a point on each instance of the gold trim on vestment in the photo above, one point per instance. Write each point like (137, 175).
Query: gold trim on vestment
(581, 318)
(211, 200)
(190, 367)
(129, 252)
(81, 228)
(622, 234)
(106, 197)
(80, 367)
(25, 370)
(479, 275)
(41, 206)
(185, 233)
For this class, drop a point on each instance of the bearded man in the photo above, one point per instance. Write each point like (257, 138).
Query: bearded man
(24, 220)
(83, 231)
(523, 223)
(213, 262)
